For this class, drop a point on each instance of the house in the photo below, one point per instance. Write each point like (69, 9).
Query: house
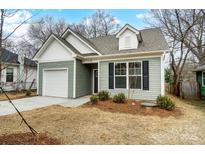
(18, 72)
(200, 77)
(132, 60)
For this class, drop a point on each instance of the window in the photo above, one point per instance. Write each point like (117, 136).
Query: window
(133, 78)
(9, 74)
(203, 79)
(120, 75)
(127, 42)
(135, 75)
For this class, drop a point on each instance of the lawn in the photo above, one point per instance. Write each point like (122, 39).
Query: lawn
(90, 125)
(16, 95)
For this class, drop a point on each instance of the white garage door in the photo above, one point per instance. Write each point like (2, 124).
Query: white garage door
(55, 83)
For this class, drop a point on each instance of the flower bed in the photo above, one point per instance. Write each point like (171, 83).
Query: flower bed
(133, 107)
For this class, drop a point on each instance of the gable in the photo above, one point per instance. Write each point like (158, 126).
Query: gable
(128, 40)
(79, 45)
(55, 52)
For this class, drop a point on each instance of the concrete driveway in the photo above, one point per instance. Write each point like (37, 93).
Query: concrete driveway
(30, 103)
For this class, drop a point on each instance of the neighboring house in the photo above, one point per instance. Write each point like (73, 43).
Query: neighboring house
(132, 60)
(18, 72)
(200, 77)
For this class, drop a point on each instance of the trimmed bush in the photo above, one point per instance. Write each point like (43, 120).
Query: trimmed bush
(28, 92)
(103, 95)
(94, 99)
(165, 102)
(119, 98)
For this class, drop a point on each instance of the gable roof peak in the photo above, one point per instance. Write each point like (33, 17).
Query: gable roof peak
(127, 26)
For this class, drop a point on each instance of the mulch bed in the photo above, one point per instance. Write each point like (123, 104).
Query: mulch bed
(134, 107)
(27, 139)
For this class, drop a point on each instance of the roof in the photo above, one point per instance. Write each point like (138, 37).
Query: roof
(125, 27)
(153, 40)
(81, 37)
(200, 68)
(9, 57)
(29, 62)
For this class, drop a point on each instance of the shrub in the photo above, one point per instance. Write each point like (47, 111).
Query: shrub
(103, 95)
(119, 98)
(94, 99)
(28, 92)
(165, 102)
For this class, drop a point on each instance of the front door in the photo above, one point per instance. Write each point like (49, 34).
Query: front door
(95, 81)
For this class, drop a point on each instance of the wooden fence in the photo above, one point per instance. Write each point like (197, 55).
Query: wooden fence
(189, 89)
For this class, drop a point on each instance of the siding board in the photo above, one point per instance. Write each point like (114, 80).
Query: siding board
(154, 80)
(63, 64)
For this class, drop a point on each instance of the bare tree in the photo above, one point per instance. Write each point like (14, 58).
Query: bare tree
(186, 26)
(5, 35)
(101, 23)
(40, 30)
(178, 27)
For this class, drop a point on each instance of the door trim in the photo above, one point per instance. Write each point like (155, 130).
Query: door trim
(93, 80)
(50, 69)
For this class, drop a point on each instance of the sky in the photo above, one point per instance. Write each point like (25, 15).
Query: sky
(123, 16)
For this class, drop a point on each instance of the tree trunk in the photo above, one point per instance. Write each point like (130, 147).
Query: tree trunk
(176, 85)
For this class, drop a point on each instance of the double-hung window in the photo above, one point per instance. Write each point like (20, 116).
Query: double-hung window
(9, 75)
(120, 75)
(203, 79)
(128, 74)
(135, 75)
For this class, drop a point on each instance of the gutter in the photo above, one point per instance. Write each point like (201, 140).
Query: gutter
(123, 55)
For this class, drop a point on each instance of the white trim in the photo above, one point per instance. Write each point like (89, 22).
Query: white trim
(81, 40)
(117, 59)
(98, 76)
(127, 75)
(37, 81)
(120, 75)
(127, 56)
(136, 75)
(162, 76)
(203, 77)
(56, 60)
(74, 79)
(50, 69)
(124, 28)
(48, 41)
(93, 80)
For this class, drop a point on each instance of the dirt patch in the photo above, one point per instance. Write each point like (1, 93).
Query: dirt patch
(16, 95)
(27, 139)
(134, 107)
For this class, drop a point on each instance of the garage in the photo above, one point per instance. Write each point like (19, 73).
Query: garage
(55, 82)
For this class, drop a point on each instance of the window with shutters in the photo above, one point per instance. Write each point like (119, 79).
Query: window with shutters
(128, 75)
(9, 74)
(135, 75)
(120, 75)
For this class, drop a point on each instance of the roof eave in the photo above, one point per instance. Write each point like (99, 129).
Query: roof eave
(125, 55)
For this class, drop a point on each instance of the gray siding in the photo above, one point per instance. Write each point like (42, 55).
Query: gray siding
(63, 64)
(83, 79)
(154, 81)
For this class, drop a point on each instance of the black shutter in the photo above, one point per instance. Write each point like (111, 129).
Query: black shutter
(145, 66)
(111, 76)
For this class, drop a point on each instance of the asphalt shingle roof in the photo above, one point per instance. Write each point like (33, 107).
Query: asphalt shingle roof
(29, 62)
(7, 56)
(152, 39)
